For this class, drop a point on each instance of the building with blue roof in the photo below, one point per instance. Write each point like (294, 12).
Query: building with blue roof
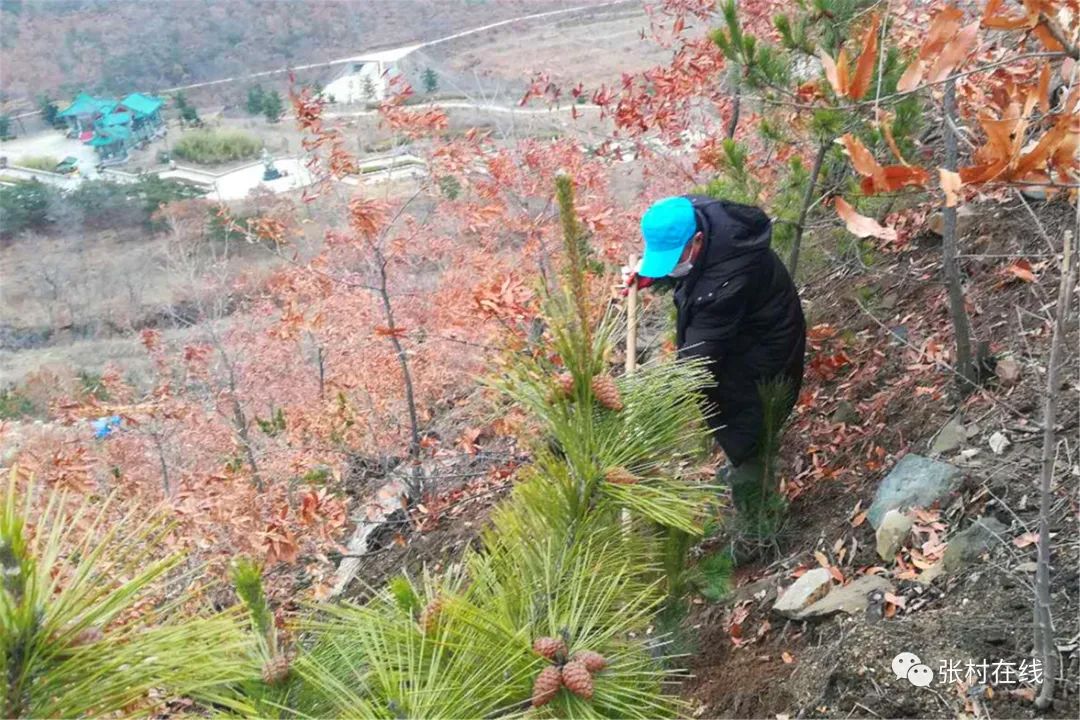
(112, 127)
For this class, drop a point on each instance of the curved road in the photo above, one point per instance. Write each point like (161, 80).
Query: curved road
(400, 52)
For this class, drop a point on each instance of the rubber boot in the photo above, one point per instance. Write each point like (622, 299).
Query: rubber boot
(745, 481)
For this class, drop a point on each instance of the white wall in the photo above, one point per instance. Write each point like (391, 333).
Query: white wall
(350, 87)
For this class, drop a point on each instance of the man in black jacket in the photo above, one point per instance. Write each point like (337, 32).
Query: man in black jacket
(737, 307)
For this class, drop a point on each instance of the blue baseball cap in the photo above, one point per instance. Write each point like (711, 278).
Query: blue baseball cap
(667, 226)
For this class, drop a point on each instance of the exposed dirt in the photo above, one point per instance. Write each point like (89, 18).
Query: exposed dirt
(840, 667)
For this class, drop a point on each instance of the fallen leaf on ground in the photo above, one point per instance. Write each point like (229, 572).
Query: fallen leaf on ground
(860, 225)
(897, 600)
(1028, 538)
(951, 184)
(1021, 269)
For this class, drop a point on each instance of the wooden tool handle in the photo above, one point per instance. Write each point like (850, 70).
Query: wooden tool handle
(631, 320)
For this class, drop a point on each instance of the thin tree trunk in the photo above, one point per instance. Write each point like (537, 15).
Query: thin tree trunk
(808, 199)
(961, 324)
(733, 123)
(1044, 630)
(240, 423)
(734, 81)
(736, 102)
(159, 444)
(415, 480)
(322, 373)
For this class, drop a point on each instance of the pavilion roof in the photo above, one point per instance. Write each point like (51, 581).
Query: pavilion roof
(142, 105)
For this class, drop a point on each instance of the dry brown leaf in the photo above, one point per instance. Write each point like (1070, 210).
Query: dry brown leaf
(787, 657)
(858, 519)
(1047, 38)
(893, 177)
(1021, 269)
(1028, 538)
(860, 225)
(911, 77)
(943, 29)
(992, 18)
(885, 122)
(1043, 150)
(835, 71)
(843, 70)
(925, 515)
(1044, 88)
(861, 158)
(821, 559)
(897, 600)
(864, 68)
(1067, 156)
(877, 178)
(951, 184)
(954, 54)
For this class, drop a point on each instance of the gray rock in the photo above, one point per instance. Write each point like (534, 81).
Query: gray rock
(808, 589)
(916, 481)
(852, 598)
(967, 545)
(949, 438)
(895, 527)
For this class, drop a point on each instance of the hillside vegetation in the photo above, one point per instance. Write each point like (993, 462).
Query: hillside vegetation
(119, 46)
(418, 449)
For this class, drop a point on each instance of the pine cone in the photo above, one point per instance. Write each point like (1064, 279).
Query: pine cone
(576, 678)
(276, 670)
(620, 476)
(429, 616)
(606, 392)
(549, 647)
(545, 686)
(594, 662)
(564, 387)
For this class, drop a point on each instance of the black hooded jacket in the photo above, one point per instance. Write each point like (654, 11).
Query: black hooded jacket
(739, 308)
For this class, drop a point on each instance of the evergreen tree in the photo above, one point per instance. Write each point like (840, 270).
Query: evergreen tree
(555, 607)
(272, 107)
(431, 81)
(188, 113)
(83, 629)
(369, 88)
(48, 109)
(5, 125)
(256, 98)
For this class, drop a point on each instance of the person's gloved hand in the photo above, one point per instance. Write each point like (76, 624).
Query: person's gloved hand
(630, 278)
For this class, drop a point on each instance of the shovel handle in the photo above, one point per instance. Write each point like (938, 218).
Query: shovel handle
(631, 321)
